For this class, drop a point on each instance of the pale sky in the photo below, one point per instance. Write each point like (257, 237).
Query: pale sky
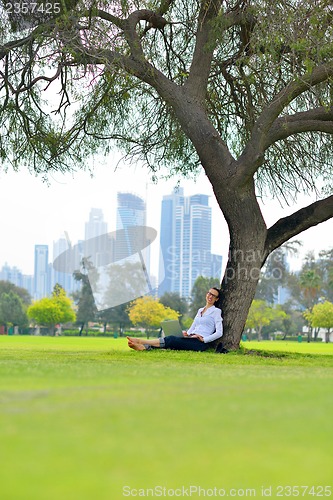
(34, 213)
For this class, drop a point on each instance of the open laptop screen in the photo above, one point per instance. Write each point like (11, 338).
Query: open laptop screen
(172, 327)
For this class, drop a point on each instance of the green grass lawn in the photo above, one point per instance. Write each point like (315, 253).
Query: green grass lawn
(87, 418)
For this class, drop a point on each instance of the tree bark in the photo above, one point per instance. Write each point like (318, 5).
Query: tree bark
(327, 335)
(246, 256)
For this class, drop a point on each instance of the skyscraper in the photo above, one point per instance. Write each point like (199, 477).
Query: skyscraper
(95, 227)
(15, 276)
(41, 272)
(133, 240)
(12, 274)
(131, 211)
(65, 279)
(186, 242)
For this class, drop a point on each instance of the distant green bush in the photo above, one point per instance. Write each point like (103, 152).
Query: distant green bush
(294, 338)
(75, 332)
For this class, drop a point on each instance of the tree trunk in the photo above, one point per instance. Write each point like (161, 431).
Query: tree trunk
(316, 331)
(247, 254)
(259, 333)
(309, 334)
(327, 335)
(81, 329)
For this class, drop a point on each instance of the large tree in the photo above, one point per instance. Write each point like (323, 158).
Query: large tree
(240, 88)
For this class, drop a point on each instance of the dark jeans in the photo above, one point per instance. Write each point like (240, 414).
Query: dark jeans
(184, 344)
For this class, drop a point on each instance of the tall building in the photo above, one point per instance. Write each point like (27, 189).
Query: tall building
(28, 283)
(131, 211)
(186, 242)
(42, 286)
(132, 245)
(65, 279)
(15, 276)
(12, 274)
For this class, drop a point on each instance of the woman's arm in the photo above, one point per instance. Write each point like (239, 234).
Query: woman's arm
(192, 327)
(218, 327)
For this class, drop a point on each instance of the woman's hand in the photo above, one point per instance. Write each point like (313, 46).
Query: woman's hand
(185, 334)
(197, 336)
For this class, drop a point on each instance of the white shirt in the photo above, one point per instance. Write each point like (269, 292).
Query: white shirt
(209, 325)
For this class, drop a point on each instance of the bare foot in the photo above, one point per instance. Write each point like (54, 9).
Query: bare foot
(135, 346)
(135, 340)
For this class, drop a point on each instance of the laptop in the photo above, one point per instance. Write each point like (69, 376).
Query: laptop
(172, 327)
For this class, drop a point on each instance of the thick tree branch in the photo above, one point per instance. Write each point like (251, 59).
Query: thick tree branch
(106, 16)
(303, 219)
(21, 42)
(205, 44)
(130, 28)
(204, 48)
(256, 145)
(314, 120)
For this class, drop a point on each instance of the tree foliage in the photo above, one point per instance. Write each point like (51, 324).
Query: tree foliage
(50, 311)
(111, 58)
(12, 310)
(321, 316)
(275, 273)
(241, 88)
(199, 291)
(261, 314)
(148, 312)
(7, 286)
(116, 316)
(174, 301)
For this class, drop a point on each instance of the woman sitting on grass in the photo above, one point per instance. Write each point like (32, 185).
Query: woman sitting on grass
(206, 327)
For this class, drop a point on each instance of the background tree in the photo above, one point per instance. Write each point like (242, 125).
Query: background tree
(174, 301)
(275, 273)
(241, 88)
(292, 324)
(116, 316)
(321, 316)
(84, 299)
(310, 284)
(50, 311)
(125, 282)
(261, 314)
(7, 286)
(148, 313)
(325, 269)
(12, 310)
(199, 292)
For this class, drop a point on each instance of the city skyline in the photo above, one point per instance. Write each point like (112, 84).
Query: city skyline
(189, 222)
(35, 213)
(186, 242)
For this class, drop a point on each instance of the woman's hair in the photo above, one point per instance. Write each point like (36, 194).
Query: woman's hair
(218, 302)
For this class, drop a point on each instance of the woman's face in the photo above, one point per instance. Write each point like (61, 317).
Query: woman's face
(212, 296)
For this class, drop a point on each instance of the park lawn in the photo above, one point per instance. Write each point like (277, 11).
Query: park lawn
(289, 346)
(86, 418)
